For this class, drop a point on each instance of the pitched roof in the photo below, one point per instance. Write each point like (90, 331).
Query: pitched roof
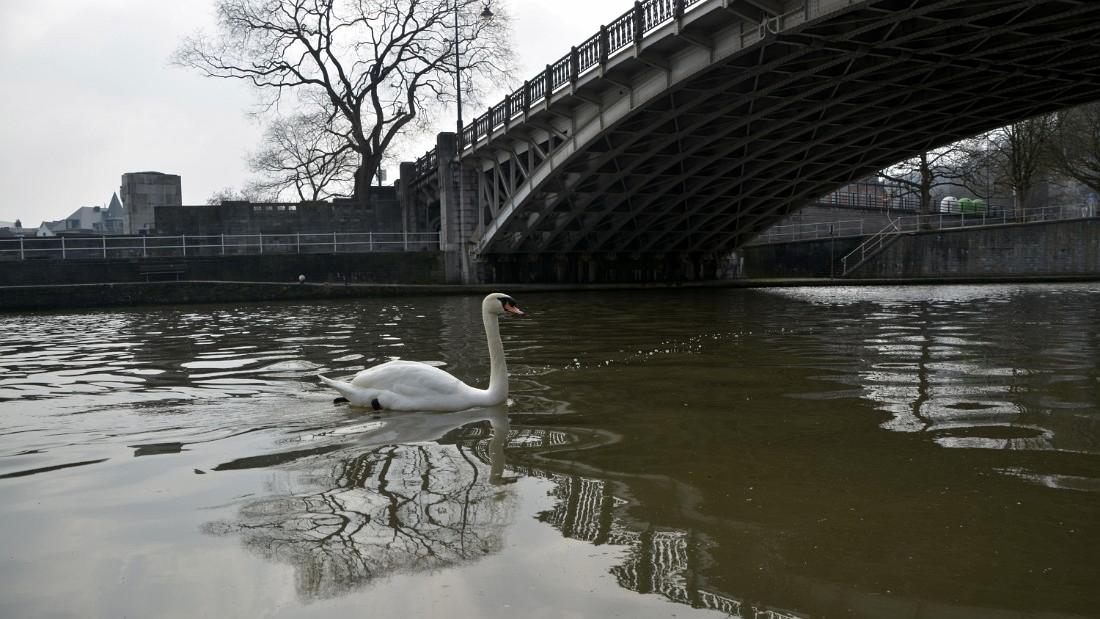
(115, 209)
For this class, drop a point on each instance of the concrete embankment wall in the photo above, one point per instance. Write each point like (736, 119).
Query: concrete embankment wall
(1057, 249)
(377, 268)
(80, 296)
(817, 258)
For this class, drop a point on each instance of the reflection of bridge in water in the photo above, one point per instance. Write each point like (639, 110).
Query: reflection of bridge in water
(659, 562)
(685, 127)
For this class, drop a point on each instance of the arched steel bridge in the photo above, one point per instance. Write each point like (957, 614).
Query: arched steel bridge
(692, 125)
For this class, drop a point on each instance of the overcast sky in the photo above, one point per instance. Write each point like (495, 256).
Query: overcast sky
(89, 93)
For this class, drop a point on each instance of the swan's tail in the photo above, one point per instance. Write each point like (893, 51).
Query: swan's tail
(345, 389)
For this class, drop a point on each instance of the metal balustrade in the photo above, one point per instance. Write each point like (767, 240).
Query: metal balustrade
(947, 221)
(107, 247)
(588, 53)
(810, 231)
(426, 164)
(620, 33)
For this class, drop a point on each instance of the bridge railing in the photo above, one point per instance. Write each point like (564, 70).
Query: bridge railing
(944, 221)
(588, 53)
(625, 30)
(107, 247)
(809, 231)
(426, 164)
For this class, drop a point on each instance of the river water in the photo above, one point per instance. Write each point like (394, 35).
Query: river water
(803, 452)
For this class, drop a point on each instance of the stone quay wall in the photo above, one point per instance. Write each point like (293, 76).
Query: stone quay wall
(814, 258)
(1058, 248)
(84, 296)
(375, 268)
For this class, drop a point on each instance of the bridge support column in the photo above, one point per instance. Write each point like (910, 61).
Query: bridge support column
(457, 211)
(405, 199)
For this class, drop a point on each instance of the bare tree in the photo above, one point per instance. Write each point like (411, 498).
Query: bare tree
(922, 174)
(376, 64)
(1075, 147)
(305, 155)
(230, 194)
(1016, 155)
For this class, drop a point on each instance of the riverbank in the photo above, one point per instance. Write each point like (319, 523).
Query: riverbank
(87, 296)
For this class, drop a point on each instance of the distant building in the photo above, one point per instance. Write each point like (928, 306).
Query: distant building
(116, 220)
(86, 220)
(93, 220)
(869, 193)
(143, 191)
(10, 229)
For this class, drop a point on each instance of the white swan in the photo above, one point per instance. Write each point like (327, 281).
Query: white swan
(414, 386)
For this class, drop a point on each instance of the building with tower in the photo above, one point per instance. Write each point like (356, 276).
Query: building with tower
(143, 191)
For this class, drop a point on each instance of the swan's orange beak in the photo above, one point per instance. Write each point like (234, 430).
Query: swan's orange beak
(512, 309)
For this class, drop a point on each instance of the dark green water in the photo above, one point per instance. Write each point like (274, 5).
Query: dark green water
(866, 452)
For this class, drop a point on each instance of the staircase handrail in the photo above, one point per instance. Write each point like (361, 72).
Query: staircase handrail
(876, 239)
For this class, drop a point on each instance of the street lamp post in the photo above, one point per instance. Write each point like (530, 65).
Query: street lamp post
(485, 14)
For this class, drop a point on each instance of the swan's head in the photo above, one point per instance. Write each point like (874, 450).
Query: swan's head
(498, 304)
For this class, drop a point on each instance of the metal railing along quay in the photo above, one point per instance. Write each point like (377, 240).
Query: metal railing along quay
(809, 231)
(947, 221)
(182, 246)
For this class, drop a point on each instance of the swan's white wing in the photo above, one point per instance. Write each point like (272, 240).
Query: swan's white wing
(409, 378)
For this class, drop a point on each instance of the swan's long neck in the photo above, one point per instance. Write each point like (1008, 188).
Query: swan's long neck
(498, 367)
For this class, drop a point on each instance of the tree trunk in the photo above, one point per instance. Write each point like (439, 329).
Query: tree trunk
(364, 176)
(925, 207)
(926, 180)
(1022, 193)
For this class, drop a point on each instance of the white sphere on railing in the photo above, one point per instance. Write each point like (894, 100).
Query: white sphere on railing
(301, 279)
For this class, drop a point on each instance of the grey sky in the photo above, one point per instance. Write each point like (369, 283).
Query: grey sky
(89, 94)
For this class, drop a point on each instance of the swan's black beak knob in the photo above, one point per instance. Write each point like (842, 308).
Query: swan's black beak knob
(509, 305)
